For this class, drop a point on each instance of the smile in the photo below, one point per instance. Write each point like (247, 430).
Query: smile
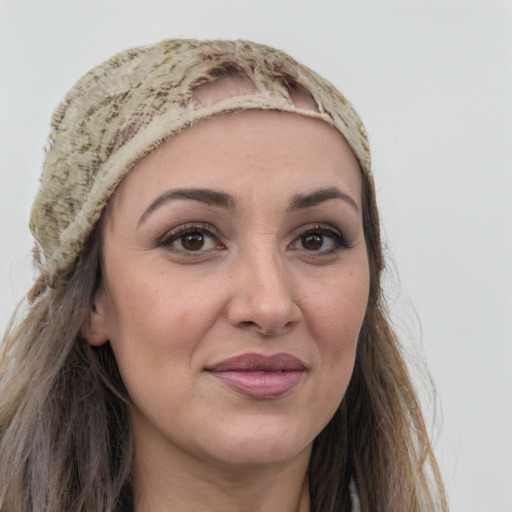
(260, 377)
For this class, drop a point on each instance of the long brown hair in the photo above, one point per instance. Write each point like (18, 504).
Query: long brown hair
(64, 431)
(65, 436)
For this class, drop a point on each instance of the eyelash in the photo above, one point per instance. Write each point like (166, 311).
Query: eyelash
(340, 242)
(170, 237)
(166, 241)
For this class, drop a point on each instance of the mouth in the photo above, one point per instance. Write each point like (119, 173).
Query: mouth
(258, 376)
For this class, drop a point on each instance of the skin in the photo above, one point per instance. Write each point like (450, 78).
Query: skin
(256, 284)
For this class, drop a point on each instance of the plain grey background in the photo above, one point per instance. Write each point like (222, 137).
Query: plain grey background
(433, 82)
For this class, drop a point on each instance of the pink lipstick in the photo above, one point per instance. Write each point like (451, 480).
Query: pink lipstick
(258, 376)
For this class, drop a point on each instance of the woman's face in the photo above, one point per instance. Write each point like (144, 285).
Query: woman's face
(235, 282)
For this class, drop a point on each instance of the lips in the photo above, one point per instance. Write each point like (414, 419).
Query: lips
(258, 376)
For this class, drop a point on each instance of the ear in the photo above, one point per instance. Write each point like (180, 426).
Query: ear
(95, 331)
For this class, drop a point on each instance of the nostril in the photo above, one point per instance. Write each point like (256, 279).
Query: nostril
(266, 329)
(248, 324)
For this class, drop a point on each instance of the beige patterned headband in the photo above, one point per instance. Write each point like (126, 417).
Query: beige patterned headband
(125, 107)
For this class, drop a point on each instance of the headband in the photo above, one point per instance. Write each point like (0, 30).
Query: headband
(122, 109)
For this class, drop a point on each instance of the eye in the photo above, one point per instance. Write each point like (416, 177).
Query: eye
(191, 239)
(194, 241)
(319, 239)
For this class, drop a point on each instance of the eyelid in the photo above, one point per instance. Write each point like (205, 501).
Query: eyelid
(166, 239)
(175, 233)
(326, 230)
(319, 226)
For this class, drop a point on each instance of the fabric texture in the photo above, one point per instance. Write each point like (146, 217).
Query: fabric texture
(130, 104)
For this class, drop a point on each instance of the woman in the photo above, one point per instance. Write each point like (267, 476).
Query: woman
(207, 329)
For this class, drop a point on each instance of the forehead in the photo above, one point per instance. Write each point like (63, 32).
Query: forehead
(266, 156)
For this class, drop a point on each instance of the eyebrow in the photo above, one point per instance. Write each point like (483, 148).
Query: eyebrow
(227, 201)
(203, 195)
(301, 201)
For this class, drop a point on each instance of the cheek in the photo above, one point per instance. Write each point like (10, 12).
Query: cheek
(157, 331)
(336, 315)
(158, 313)
(339, 304)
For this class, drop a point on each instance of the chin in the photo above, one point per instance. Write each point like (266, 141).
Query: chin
(261, 445)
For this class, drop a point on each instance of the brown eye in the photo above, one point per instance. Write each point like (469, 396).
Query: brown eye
(319, 241)
(192, 241)
(312, 242)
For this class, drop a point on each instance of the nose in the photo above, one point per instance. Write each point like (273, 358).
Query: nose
(263, 296)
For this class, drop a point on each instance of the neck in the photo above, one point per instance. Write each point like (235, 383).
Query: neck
(197, 486)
